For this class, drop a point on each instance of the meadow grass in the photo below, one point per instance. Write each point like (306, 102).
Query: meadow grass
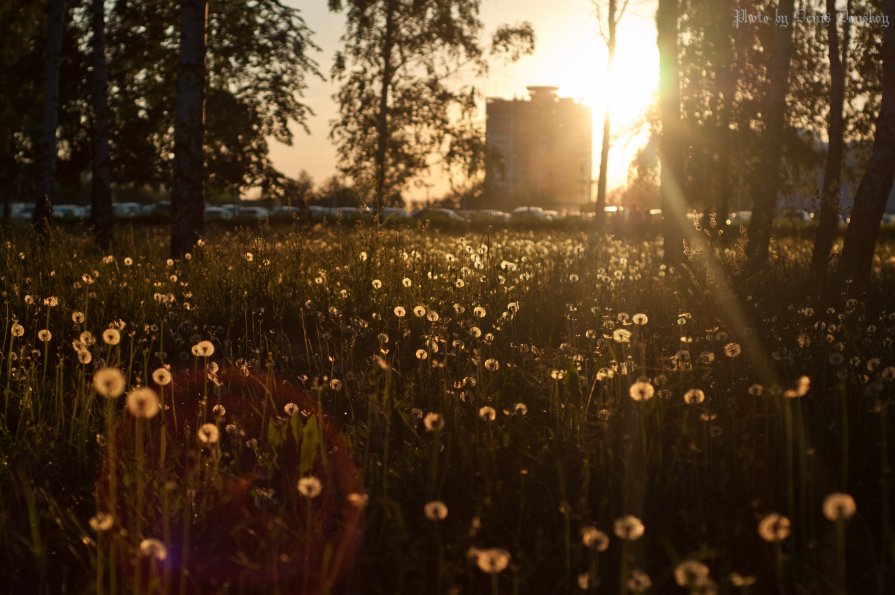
(412, 411)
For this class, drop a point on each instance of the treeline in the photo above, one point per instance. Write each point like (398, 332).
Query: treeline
(750, 111)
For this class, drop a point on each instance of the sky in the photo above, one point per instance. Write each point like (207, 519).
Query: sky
(569, 53)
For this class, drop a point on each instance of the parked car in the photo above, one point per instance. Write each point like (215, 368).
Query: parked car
(490, 216)
(215, 214)
(242, 213)
(156, 211)
(70, 213)
(796, 215)
(529, 214)
(439, 216)
(125, 211)
(395, 215)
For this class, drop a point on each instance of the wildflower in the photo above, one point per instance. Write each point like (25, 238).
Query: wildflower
(153, 548)
(249, 257)
(400, 311)
(51, 302)
(406, 282)
(629, 528)
(801, 389)
(109, 382)
(335, 384)
(219, 410)
(208, 434)
(77, 317)
(128, 261)
(621, 335)
(161, 376)
(839, 506)
(142, 403)
(521, 409)
(694, 396)
(432, 316)
(84, 356)
(487, 413)
(421, 354)
(479, 311)
(419, 311)
(641, 391)
(640, 319)
(87, 338)
(732, 350)
(691, 573)
(492, 365)
(756, 390)
(435, 510)
(433, 422)
(358, 500)
(492, 560)
(774, 527)
(111, 336)
(203, 349)
(309, 486)
(594, 539)
(376, 283)
(44, 335)
(740, 581)
(639, 582)
(290, 409)
(557, 374)
(102, 521)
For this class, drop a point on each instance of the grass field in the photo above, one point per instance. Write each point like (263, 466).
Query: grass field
(413, 411)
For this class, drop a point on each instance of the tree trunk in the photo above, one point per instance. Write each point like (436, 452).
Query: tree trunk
(101, 188)
(765, 196)
(43, 208)
(382, 134)
(875, 187)
(187, 193)
(830, 190)
(725, 79)
(672, 197)
(604, 147)
(7, 171)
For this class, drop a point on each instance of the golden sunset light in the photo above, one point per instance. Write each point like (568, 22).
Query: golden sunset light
(447, 297)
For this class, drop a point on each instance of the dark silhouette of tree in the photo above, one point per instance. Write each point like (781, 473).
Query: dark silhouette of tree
(671, 177)
(830, 189)
(43, 210)
(769, 171)
(101, 183)
(394, 103)
(187, 190)
(876, 185)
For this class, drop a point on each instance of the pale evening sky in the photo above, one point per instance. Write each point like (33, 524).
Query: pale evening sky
(569, 53)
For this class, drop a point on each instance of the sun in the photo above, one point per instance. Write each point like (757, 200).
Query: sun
(629, 89)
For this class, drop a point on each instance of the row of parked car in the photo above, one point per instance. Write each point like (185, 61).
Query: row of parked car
(243, 213)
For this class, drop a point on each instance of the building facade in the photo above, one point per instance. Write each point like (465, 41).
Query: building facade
(538, 152)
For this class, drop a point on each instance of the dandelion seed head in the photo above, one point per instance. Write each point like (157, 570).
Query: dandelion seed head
(774, 527)
(143, 403)
(433, 422)
(153, 549)
(309, 486)
(109, 382)
(839, 506)
(435, 510)
(208, 433)
(111, 336)
(594, 539)
(629, 528)
(492, 560)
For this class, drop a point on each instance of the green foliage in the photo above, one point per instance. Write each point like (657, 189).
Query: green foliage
(541, 327)
(398, 112)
